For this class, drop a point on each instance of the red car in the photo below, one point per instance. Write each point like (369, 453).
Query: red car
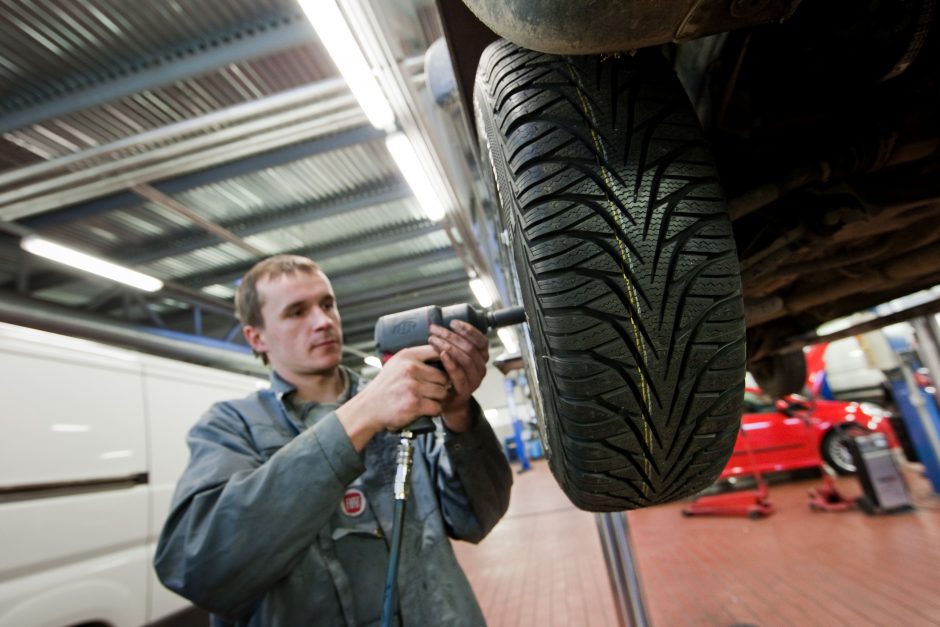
(794, 432)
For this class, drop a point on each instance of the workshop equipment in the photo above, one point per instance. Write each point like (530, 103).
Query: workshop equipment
(885, 490)
(827, 498)
(393, 333)
(824, 498)
(751, 503)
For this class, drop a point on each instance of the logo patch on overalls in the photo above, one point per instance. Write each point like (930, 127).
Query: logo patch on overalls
(354, 502)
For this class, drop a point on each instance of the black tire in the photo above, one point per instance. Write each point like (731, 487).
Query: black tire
(621, 251)
(781, 374)
(835, 451)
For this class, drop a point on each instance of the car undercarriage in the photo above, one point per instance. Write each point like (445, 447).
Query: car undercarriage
(775, 172)
(824, 122)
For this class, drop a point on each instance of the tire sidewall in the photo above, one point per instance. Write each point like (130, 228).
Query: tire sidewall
(512, 257)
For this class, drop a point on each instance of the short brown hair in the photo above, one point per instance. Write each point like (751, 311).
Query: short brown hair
(248, 302)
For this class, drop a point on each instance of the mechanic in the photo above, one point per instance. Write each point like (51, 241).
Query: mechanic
(282, 515)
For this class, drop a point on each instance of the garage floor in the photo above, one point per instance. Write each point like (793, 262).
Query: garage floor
(543, 565)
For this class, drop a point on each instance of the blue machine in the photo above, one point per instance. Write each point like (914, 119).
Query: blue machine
(921, 416)
(521, 454)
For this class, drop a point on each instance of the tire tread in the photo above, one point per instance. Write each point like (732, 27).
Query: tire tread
(631, 282)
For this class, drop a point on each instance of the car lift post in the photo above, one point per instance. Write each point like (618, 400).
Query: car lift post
(918, 409)
(614, 532)
(928, 339)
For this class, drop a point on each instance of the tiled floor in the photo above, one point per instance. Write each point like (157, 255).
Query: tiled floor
(543, 565)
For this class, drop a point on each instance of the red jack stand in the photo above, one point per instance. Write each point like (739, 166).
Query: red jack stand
(826, 498)
(751, 503)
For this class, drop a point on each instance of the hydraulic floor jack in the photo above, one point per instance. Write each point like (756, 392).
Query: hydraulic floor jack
(751, 503)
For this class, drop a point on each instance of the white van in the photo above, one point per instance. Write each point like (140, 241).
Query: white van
(92, 442)
(850, 373)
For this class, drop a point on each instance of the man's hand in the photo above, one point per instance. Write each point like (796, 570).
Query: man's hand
(464, 352)
(405, 389)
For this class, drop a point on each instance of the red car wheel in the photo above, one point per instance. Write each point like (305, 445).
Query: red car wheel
(836, 452)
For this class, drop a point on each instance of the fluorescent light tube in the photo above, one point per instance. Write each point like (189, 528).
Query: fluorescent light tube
(508, 337)
(334, 32)
(69, 257)
(65, 428)
(407, 161)
(479, 289)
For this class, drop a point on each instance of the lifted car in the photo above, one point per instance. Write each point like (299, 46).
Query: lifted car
(670, 178)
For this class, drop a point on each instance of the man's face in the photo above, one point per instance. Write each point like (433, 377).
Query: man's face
(302, 333)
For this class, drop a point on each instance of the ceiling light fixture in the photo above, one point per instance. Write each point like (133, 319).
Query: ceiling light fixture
(407, 161)
(481, 291)
(334, 32)
(63, 254)
(341, 44)
(508, 337)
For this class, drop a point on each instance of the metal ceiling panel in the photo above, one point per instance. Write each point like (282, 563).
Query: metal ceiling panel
(385, 254)
(365, 281)
(50, 46)
(229, 111)
(304, 182)
(336, 173)
(385, 217)
(154, 108)
(183, 265)
(133, 226)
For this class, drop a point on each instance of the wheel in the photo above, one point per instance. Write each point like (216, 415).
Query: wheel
(779, 375)
(618, 244)
(836, 452)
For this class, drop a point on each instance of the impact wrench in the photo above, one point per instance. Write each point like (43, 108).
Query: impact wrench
(393, 333)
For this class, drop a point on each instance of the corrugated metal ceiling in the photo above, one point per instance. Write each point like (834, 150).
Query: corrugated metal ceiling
(233, 109)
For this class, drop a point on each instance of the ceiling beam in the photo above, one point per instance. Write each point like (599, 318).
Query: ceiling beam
(283, 218)
(360, 298)
(262, 37)
(234, 272)
(208, 176)
(238, 116)
(349, 280)
(301, 213)
(157, 197)
(187, 290)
